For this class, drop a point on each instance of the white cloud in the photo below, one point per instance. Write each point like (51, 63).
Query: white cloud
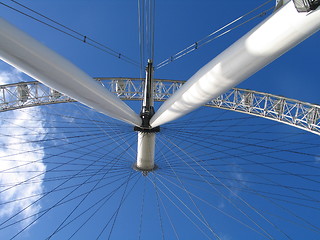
(12, 76)
(17, 152)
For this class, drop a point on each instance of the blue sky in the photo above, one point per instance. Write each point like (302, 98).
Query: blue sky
(178, 24)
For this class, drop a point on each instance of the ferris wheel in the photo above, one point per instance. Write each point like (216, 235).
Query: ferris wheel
(152, 176)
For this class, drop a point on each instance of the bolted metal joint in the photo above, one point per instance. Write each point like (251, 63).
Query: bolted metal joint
(144, 171)
(146, 114)
(147, 130)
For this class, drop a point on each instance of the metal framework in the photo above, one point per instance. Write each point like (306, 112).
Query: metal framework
(289, 111)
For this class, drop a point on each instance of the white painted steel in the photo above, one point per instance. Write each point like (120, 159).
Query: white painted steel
(280, 32)
(145, 153)
(30, 56)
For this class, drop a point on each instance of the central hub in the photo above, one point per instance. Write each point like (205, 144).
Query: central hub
(145, 152)
(146, 134)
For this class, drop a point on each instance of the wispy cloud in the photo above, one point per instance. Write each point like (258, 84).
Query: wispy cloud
(21, 159)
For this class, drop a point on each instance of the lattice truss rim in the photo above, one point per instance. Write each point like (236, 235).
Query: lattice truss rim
(278, 108)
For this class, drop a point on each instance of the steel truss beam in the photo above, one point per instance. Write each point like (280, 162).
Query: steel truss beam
(289, 111)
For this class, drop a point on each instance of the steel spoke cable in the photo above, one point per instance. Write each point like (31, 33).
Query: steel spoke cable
(271, 167)
(216, 34)
(289, 220)
(82, 162)
(221, 194)
(93, 154)
(169, 218)
(277, 140)
(20, 137)
(59, 118)
(38, 217)
(189, 196)
(281, 160)
(59, 162)
(221, 171)
(114, 191)
(142, 208)
(102, 129)
(229, 139)
(310, 227)
(270, 162)
(202, 126)
(158, 205)
(213, 206)
(152, 28)
(123, 140)
(123, 198)
(292, 189)
(298, 162)
(131, 156)
(206, 124)
(278, 205)
(62, 119)
(251, 191)
(35, 150)
(53, 146)
(208, 161)
(204, 221)
(88, 193)
(146, 20)
(40, 175)
(258, 172)
(73, 164)
(54, 113)
(79, 148)
(72, 33)
(54, 139)
(95, 212)
(141, 24)
(271, 183)
(62, 188)
(62, 130)
(212, 125)
(217, 118)
(60, 204)
(106, 198)
(115, 214)
(87, 172)
(212, 135)
(42, 196)
(186, 124)
(119, 135)
(295, 215)
(62, 164)
(181, 210)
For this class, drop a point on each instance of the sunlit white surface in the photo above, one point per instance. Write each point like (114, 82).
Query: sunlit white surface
(283, 30)
(27, 54)
(145, 153)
